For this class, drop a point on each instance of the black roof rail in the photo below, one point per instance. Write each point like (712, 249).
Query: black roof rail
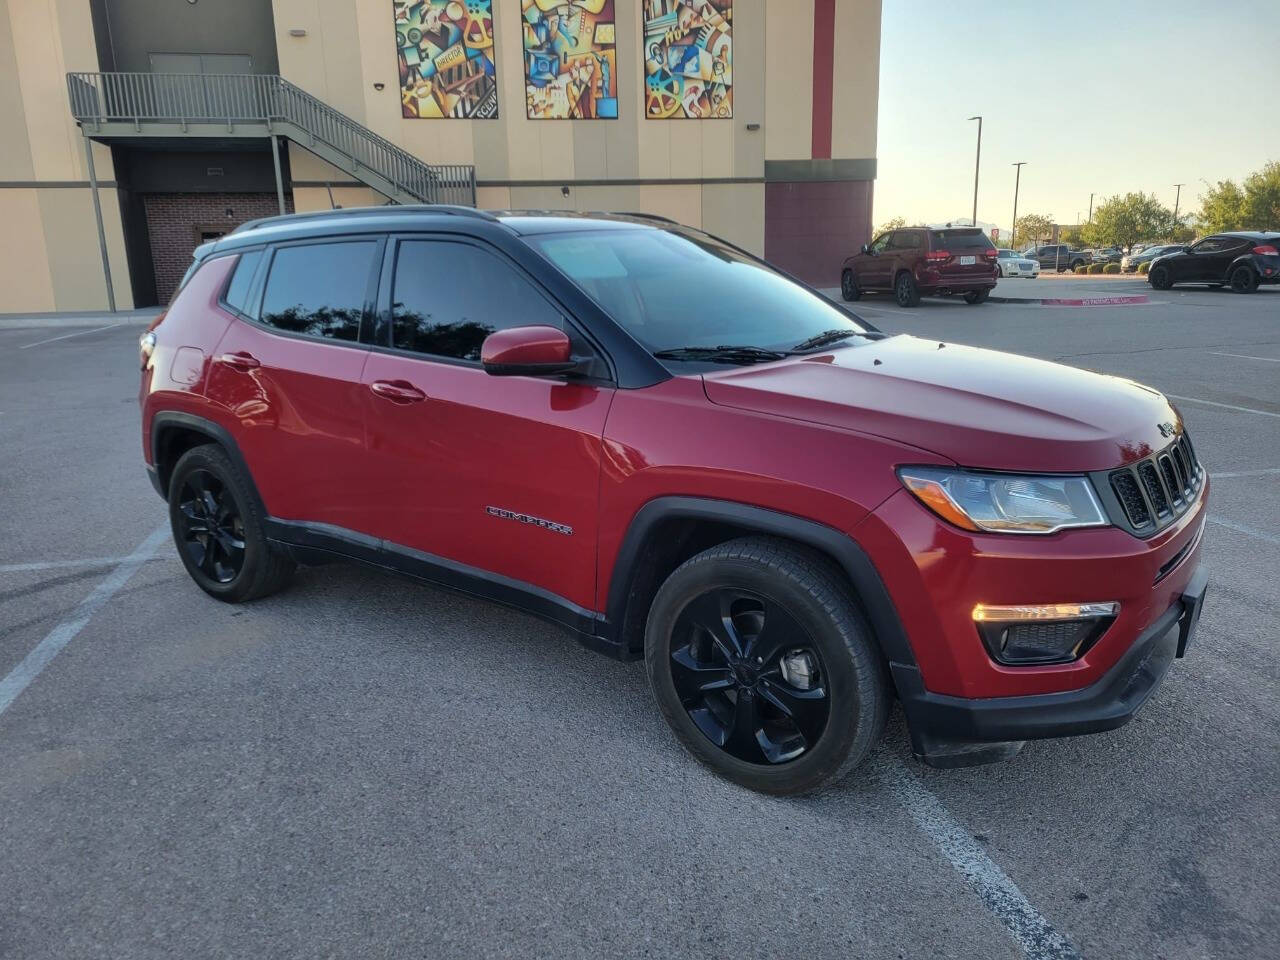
(644, 216)
(384, 210)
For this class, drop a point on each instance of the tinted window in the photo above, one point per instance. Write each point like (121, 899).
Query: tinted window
(969, 239)
(448, 297)
(881, 243)
(907, 240)
(238, 289)
(319, 289)
(675, 288)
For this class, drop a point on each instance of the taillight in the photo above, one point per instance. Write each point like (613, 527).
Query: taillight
(1266, 250)
(937, 256)
(989, 254)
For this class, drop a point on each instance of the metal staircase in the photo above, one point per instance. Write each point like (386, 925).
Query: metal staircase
(121, 106)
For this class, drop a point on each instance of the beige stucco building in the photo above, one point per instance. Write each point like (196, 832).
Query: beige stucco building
(752, 119)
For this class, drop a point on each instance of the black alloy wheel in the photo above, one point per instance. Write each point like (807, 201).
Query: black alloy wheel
(849, 286)
(727, 666)
(210, 527)
(976, 296)
(1159, 277)
(1243, 280)
(905, 290)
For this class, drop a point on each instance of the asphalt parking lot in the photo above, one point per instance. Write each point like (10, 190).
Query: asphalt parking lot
(368, 766)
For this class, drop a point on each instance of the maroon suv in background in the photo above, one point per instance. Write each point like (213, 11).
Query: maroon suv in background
(917, 262)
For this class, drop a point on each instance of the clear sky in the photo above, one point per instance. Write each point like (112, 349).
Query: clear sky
(1096, 97)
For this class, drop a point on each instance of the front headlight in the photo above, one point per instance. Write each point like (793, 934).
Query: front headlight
(1003, 502)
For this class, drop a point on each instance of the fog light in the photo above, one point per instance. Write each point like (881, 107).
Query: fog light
(1042, 633)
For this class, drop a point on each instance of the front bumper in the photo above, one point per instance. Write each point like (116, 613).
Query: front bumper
(951, 731)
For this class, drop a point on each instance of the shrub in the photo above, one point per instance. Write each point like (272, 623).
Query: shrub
(1112, 268)
(1144, 268)
(1082, 269)
(1095, 268)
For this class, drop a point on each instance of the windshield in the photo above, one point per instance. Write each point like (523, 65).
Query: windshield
(672, 290)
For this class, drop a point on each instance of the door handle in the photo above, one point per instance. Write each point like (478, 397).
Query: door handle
(240, 360)
(397, 391)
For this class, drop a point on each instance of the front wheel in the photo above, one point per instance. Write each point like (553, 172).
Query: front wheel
(1243, 280)
(976, 296)
(905, 290)
(1159, 278)
(763, 666)
(849, 286)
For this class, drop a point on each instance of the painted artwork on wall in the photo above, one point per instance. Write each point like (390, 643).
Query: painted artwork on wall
(570, 62)
(688, 59)
(446, 59)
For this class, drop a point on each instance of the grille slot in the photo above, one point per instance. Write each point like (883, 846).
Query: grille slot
(1157, 489)
(1180, 464)
(1126, 488)
(1170, 477)
(1151, 483)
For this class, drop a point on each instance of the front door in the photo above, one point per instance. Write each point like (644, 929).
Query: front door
(873, 268)
(500, 474)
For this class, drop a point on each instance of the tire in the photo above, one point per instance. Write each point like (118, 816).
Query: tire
(208, 488)
(849, 288)
(1159, 278)
(761, 582)
(1243, 280)
(905, 290)
(976, 296)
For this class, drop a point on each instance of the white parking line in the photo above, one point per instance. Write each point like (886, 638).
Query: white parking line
(1247, 531)
(1245, 356)
(1037, 937)
(60, 564)
(68, 336)
(21, 676)
(1226, 406)
(1266, 472)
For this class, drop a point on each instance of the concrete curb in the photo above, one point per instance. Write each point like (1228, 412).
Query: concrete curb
(42, 321)
(1075, 301)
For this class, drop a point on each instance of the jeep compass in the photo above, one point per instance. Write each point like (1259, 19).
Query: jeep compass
(653, 438)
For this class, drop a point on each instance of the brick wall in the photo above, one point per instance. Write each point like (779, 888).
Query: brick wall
(179, 222)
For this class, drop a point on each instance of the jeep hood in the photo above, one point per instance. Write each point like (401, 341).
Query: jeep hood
(979, 408)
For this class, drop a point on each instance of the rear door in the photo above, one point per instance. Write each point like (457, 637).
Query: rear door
(500, 474)
(970, 255)
(287, 373)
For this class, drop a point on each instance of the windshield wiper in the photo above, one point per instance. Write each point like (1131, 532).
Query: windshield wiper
(828, 337)
(722, 354)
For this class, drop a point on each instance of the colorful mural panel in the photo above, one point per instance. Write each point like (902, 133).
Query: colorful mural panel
(446, 58)
(570, 62)
(688, 59)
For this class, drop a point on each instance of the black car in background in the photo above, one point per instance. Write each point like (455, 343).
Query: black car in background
(1241, 260)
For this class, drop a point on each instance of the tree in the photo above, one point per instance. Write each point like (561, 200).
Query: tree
(1222, 208)
(897, 223)
(1122, 221)
(1253, 206)
(1033, 227)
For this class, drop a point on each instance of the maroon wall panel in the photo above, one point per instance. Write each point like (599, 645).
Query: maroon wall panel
(810, 227)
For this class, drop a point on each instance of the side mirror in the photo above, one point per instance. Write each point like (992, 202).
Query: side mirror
(532, 351)
(865, 249)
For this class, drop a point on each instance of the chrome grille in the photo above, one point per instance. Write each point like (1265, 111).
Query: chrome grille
(1154, 491)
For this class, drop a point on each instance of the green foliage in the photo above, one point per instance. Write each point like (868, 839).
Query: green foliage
(1033, 228)
(1111, 268)
(1253, 206)
(1082, 269)
(894, 223)
(1144, 268)
(1095, 267)
(1121, 221)
(1075, 237)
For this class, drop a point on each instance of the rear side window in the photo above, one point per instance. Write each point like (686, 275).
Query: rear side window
(319, 289)
(237, 297)
(963, 239)
(908, 240)
(447, 297)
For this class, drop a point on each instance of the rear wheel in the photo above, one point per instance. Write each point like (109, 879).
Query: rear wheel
(849, 286)
(218, 528)
(1243, 280)
(1159, 277)
(976, 296)
(905, 290)
(763, 666)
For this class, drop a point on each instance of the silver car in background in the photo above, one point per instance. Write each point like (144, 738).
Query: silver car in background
(1011, 264)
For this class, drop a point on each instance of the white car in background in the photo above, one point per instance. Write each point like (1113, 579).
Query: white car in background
(1011, 264)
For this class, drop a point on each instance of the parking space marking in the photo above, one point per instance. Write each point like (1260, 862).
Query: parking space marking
(1225, 406)
(1245, 356)
(21, 676)
(68, 336)
(1247, 530)
(1265, 472)
(61, 564)
(1028, 927)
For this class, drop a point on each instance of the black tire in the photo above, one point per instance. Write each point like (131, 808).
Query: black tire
(849, 288)
(1158, 277)
(976, 296)
(207, 491)
(1243, 279)
(763, 581)
(905, 290)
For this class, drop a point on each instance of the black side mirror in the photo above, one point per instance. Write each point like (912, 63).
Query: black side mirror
(865, 248)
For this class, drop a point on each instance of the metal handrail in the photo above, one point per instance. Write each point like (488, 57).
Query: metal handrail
(231, 99)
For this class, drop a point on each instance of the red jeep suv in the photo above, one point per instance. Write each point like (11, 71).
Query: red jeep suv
(651, 437)
(916, 262)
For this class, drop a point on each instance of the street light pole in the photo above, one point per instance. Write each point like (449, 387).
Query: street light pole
(976, 163)
(1013, 231)
(1091, 208)
(1176, 199)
